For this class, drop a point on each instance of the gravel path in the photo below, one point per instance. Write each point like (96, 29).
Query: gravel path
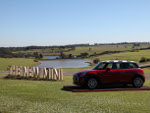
(4, 72)
(144, 64)
(147, 76)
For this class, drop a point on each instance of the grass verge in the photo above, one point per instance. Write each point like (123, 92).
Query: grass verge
(48, 96)
(134, 56)
(5, 62)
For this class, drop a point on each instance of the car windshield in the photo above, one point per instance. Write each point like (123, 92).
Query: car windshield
(100, 66)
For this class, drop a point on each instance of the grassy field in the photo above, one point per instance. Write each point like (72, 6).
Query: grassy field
(147, 70)
(48, 97)
(134, 56)
(4, 62)
(80, 49)
(102, 48)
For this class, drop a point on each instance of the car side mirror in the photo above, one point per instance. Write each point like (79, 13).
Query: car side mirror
(108, 69)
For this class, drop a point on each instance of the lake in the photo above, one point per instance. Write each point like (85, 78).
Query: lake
(54, 57)
(51, 57)
(64, 64)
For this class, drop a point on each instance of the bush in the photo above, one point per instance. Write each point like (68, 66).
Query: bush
(70, 56)
(96, 60)
(83, 55)
(143, 59)
(35, 60)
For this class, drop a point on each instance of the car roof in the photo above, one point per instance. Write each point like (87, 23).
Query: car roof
(119, 61)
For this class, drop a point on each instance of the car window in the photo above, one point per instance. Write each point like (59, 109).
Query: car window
(109, 65)
(124, 66)
(100, 67)
(128, 65)
(133, 65)
(104, 66)
(115, 66)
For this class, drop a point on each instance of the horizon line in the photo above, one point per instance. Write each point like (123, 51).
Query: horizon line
(79, 44)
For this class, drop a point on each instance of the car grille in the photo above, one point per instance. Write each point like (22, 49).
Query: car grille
(75, 78)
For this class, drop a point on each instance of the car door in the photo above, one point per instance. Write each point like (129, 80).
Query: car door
(112, 76)
(126, 73)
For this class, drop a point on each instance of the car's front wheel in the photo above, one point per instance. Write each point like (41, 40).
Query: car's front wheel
(137, 82)
(92, 83)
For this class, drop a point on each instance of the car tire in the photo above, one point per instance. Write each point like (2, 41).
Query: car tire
(137, 82)
(92, 83)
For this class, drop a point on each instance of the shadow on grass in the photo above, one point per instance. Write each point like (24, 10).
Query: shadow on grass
(104, 88)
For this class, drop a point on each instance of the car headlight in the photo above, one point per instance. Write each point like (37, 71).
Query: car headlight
(83, 74)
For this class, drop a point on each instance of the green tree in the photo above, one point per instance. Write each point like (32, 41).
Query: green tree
(70, 56)
(62, 55)
(96, 60)
(84, 55)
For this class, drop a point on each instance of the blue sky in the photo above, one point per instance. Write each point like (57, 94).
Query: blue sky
(60, 22)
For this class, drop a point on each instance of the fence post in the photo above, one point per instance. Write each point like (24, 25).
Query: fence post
(30, 72)
(25, 71)
(34, 72)
(45, 73)
(61, 74)
(10, 70)
(13, 68)
(52, 74)
(38, 72)
(55, 74)
(19, 70)
(49, 73)
(16, 72)
(47, 76)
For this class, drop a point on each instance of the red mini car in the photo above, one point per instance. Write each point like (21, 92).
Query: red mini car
(111, 72)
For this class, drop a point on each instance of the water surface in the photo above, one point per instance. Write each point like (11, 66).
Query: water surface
(64, 64)
(51, 57)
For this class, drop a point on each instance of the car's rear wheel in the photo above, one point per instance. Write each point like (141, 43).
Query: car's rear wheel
(137, 82)
(92, 83)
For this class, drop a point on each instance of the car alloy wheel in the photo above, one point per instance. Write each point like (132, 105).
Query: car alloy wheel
(138, 82)
(92, 83)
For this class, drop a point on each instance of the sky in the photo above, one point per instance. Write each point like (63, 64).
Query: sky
(61, 22)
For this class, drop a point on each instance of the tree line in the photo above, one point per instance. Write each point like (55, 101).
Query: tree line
(7, 53)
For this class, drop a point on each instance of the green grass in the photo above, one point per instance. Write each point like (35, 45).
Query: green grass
(135, 56)
(46, 96)
(147, 70)
(82, 49)
(5, 62)
(102, 48)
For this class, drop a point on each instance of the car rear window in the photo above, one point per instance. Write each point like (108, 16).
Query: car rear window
(128, 66)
